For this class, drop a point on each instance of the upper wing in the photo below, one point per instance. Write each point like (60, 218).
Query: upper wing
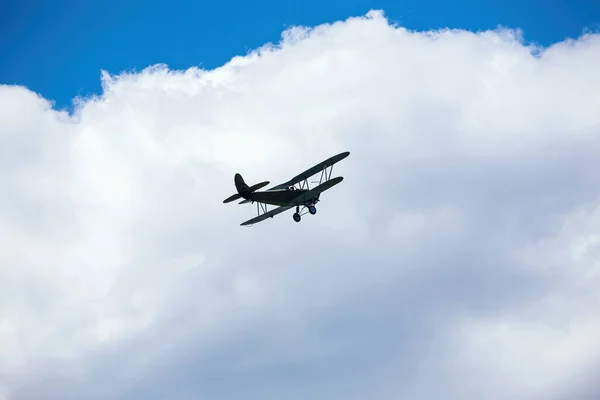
(314, 170)
(266, 215)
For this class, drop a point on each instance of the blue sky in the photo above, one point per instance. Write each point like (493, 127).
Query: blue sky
(58, 48)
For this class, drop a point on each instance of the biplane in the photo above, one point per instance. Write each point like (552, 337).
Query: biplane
(294, 193)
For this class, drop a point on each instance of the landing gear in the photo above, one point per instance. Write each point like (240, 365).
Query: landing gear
(311, 209)
(297, 216)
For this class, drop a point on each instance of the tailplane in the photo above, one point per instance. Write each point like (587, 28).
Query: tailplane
(243, 190)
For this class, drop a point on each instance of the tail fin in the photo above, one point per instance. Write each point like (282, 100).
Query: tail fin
(240, 185)
(242, 189)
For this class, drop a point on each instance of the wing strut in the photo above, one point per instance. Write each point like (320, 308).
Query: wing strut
(312, 171)
(326, 173)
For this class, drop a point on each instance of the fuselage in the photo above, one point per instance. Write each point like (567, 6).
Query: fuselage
(279, 197)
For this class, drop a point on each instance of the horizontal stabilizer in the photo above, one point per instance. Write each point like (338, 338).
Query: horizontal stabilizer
(254, 188)
(232, 198)
(243, 189)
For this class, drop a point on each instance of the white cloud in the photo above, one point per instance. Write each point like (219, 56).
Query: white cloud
(440, 257)
(550, 340)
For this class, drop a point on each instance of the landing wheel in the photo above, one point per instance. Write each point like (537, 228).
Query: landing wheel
(297, 217)
(312, 210)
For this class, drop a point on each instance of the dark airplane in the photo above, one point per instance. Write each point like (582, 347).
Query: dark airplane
(287, 195)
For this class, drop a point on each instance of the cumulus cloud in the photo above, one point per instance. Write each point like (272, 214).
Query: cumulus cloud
(458, 259)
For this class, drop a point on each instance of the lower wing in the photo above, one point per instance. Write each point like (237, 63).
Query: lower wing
(266, 215)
